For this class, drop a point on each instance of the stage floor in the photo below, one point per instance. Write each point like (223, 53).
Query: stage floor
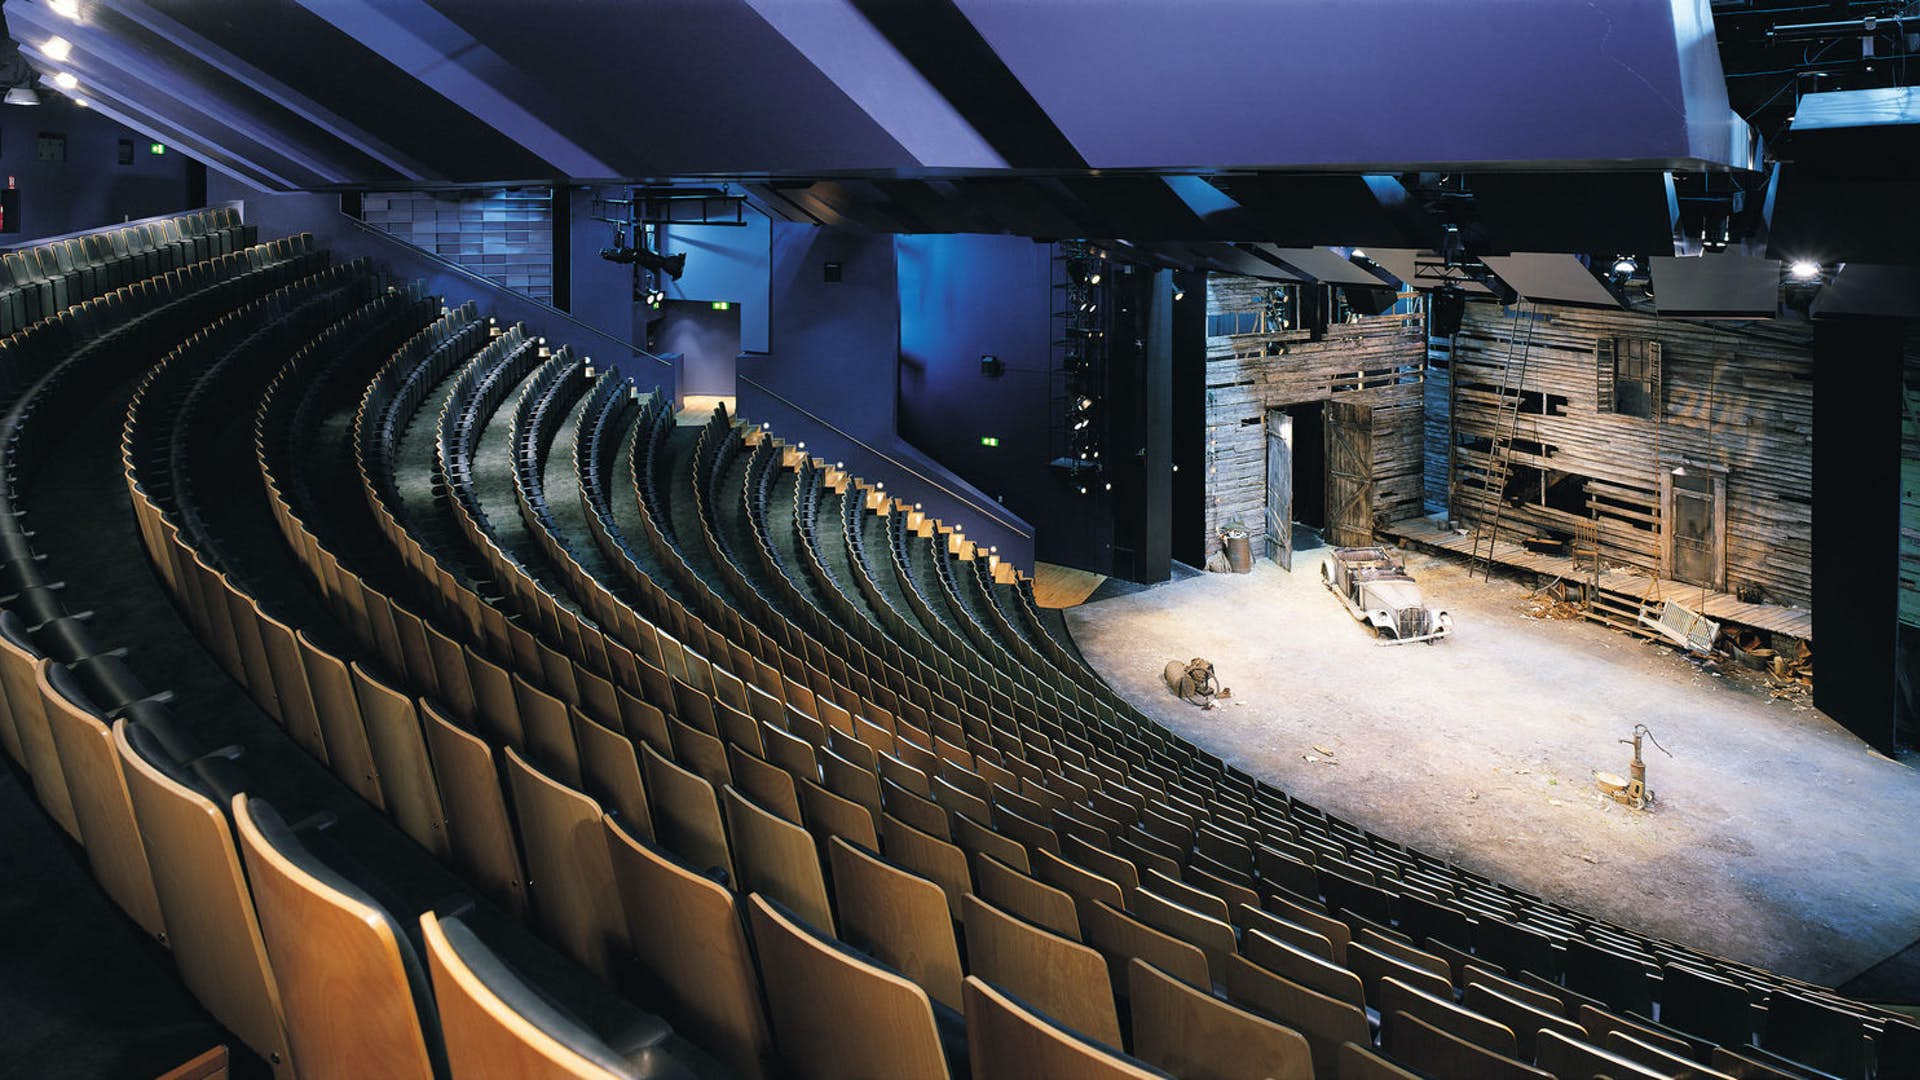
(1778, 839)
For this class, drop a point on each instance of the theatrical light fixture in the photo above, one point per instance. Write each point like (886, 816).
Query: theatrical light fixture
(1358, 254)
(57, 49)
(22, 95)
(81, 102)
(1093, 278)
(1624, 266)
(67, 8)
(1179, 293)
(65, 80)
(1804, 270)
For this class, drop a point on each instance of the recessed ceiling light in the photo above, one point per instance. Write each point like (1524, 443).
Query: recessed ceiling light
(65, 80)
(57, 49)
(68, 8)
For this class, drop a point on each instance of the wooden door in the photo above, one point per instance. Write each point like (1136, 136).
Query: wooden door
(1349, 474)
(1280, 488)
(1695, 505)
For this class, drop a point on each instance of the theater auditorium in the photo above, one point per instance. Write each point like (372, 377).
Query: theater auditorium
(929, 539)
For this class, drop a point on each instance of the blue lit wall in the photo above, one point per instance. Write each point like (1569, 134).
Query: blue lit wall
(830, 373)
(961, 297)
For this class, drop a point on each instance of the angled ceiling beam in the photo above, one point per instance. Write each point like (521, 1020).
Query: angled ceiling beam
(839, 41)
(102, 58)
(425, 44)
(288, 98)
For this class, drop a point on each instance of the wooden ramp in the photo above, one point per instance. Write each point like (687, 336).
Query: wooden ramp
(1720, 607)
(1057, 586)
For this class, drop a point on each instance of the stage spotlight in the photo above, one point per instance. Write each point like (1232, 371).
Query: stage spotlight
(57, 49)
(1358, 254)
(1804, 270)
(1093, 278)
(22, 95)
(65, 80)
(67, 8)
(1625, 267)
(1179, 293)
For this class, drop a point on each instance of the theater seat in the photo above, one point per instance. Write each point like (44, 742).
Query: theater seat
(498, 1024)
(325, 933)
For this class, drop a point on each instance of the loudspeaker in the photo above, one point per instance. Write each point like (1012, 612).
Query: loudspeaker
(1444, 311)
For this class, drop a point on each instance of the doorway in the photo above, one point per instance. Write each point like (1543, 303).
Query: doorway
(1695, 512)
(1296, 479)
(705, 336)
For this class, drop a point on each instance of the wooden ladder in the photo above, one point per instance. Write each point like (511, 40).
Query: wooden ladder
(1506, 423)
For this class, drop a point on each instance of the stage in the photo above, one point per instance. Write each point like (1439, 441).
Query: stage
(1778, 838)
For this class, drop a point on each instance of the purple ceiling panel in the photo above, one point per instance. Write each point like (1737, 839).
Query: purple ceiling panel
(670, 87)
(1348, 83)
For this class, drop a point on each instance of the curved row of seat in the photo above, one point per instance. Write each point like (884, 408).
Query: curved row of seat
(785, 799)
(42, 280)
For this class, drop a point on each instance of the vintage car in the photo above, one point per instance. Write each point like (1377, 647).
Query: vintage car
(1374, 584)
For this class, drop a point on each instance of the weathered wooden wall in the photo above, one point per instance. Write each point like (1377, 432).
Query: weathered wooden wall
(1438, 423)
(1736, 400)
(1910, 488)
(1377, 361)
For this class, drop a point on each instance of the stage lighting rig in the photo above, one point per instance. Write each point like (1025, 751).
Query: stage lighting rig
(645, 258)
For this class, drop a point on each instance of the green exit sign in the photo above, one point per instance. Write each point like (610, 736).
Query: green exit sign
(156, 148)
(989, 440)
(721, 305)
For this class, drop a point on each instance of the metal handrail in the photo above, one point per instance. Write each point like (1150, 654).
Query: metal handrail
(998, 515)
(547, 310)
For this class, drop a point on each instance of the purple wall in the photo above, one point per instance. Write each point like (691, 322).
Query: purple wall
(830, 374)
(706, 341)
(90, 188)
(962, 297)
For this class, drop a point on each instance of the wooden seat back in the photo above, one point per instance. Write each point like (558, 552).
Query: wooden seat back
(777, 858)
(1193, 1034)
(571, 880)
(1007, 1040)
(322, 935)
(101, 805)
(686, 932)
(204, 900)
(486, 1036)
(899, 917)
(1060, 977)
(1324, 1021)
(815, 986)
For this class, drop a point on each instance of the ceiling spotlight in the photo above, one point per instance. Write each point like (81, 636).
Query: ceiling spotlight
(1179, 293)
(1804, 270)
(65, 80)
(1358, 254)
(67, 8)
(57, 49)
(81, 102)
(22, 95)
(1093, 278)
(1624, 266)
